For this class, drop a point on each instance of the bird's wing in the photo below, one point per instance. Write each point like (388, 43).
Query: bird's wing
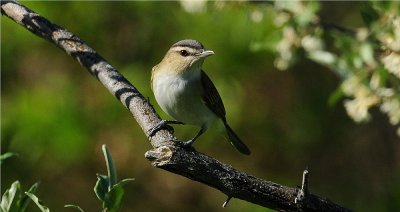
(211, 96)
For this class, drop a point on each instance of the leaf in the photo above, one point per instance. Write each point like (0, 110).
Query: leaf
(9, 200)
(335, 97)
(107, 189)
(369, 14)
(75, 207)
(384, 75)
(25, 199)
(114, 198)
(101, 187)
(111, 171)
(307, 16)
(39, 203)
(125, 181)
(7, 155)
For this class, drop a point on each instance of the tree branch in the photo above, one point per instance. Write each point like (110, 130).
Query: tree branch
(167, 153)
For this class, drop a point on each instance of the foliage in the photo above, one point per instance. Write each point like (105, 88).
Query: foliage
(107, 187)
(367, 58)
(6, 156)
(38, 202)
(14, 199)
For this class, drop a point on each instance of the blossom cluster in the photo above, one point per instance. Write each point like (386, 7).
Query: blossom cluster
(367, 59)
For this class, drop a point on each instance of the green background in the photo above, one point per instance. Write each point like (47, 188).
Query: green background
(56, 116)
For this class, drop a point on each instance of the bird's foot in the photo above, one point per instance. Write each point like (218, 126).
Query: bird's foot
(189, 143)
(163, 124)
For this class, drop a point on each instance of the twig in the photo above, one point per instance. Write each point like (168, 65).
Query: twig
(166, 155)
(303, 192)
(334, 27)
(226, 201)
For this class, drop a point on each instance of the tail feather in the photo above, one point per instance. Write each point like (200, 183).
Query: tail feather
(235, 140)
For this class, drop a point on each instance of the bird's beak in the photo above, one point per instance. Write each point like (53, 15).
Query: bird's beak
(206, 53)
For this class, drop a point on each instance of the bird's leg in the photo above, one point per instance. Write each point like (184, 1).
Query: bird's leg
(162, 124)
(191, 141)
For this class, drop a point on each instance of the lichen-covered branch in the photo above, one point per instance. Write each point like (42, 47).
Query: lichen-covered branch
(117, 84)
(202, 168)
(167, 154)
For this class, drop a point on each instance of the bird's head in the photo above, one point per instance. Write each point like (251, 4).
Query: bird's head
(185, 55)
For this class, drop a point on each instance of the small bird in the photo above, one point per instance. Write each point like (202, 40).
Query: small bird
(186, 93)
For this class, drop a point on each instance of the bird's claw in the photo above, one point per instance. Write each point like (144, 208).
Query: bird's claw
(163, 124)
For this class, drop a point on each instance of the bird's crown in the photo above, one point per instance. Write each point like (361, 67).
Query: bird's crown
(189, 43)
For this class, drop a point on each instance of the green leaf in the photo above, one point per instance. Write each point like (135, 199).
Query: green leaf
(25, 199)
(369, 14)
(114, 198)
(112, 173)
(308, 14)
(125, 181)
(39, 203)
(10, 198)
(107, 189)
(384, 75)
(7, 155)
(75, 207)
(335, 97)
(101, 187)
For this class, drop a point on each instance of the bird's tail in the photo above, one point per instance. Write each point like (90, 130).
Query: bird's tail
(235, 140)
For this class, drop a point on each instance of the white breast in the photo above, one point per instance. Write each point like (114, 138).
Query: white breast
(179, 95)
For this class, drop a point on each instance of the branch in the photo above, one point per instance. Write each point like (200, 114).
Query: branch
(202, 168)
(167, 153)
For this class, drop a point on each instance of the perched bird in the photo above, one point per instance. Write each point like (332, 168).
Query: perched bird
(186, 93)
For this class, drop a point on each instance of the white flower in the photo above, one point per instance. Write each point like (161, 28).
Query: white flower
(311, 43)
(285, 48)
(256, 16)
(392, 63)
(296, 6)
(281, 19)
(364, 99)
(323, 57)
(385, 92)
(358, 112)
(358, 108)
(350, 85)
(194, 6)
(362, 34)
(391, 106)
(392, 40)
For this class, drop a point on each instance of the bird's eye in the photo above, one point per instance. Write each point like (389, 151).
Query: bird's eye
(184, 53)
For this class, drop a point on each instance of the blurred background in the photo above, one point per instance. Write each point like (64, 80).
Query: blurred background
(56, 116)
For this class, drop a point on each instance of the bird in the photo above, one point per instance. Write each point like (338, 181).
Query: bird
(185, 92)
